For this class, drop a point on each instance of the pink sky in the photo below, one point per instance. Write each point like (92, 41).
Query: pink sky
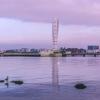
(28, 22)
(69, 11)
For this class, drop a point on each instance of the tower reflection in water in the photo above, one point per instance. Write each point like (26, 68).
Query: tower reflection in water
(55, 72)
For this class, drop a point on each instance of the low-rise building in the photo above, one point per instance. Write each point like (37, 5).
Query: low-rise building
(24, 50)
(46, 52)
(93, 49)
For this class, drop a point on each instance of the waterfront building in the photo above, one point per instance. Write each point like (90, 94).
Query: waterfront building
(11, 51)
(72, 51)
(44, 53)
(24, 50)
(93, 49)
(34, 50)
(76, 51)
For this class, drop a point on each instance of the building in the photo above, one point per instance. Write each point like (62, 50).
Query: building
(24, 50)
(55, 29)
(45, 53)
(34, 50)
(76, 51)
(93, 49)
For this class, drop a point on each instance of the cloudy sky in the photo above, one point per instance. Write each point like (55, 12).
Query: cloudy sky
(28, 23)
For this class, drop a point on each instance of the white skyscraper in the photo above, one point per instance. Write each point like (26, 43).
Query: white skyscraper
(55, 29)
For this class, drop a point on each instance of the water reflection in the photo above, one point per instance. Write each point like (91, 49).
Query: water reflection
(7, 84)
(55, 72)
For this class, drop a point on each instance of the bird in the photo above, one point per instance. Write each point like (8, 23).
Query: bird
(6, 79)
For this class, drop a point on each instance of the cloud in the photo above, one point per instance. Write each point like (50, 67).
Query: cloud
(68, 11)
(15, 32)
(28, 22)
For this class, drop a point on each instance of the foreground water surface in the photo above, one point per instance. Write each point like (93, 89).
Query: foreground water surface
(50, 78)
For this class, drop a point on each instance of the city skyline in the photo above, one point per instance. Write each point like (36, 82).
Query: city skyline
(29, 23)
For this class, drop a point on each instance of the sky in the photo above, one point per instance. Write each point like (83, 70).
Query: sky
(28, 23)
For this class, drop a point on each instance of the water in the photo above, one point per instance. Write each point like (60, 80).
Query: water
(51, 78)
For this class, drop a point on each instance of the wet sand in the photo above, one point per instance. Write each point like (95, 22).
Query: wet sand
(49, 92)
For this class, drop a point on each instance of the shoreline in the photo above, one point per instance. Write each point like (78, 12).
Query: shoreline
(52, 55)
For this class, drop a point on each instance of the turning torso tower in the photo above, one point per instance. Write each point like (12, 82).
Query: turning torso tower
(55, 29)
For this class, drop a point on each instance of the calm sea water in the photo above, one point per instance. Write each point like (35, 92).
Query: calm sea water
(47, 70)
(52, 78)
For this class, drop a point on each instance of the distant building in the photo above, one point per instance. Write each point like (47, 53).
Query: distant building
(76, 51)
(34, 50)
(93, 49)
(72, 51)
(24, 50)
(11, 51)
(55, 31)
(46, 52)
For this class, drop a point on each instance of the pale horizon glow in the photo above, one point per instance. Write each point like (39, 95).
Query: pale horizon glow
(28, 23)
